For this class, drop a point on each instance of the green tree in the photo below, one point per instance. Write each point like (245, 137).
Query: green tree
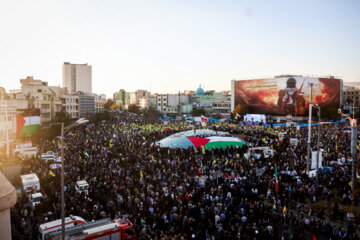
(198, 112)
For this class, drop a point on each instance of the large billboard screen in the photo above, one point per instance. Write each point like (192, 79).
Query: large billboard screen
(286, 95)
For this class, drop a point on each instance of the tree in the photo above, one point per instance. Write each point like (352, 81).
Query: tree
(198, 112)
(53, 128)
(240, 109)
(63, 117)
(151, 114)
(133, 108)
(113, 107)
(100, 116)
(108, 104)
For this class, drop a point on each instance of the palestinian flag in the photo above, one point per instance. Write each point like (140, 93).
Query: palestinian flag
(215, 142)
(274, 206)
(26, 125)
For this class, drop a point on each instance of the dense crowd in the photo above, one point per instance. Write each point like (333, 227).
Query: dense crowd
(162, 190)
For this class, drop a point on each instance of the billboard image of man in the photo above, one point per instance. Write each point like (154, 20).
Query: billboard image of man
(288, 95)
(291, 100)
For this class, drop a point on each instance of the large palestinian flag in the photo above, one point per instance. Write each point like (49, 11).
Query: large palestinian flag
(215, 142)
(26, 125)
(200, 138)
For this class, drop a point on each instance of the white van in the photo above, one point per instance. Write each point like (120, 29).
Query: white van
(82, 186)
(35, 198)
(257, 152)
(30, 182)
(49, 227)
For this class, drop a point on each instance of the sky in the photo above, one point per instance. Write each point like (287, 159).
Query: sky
(171, 46)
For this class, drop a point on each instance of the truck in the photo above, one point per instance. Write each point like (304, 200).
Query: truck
(82, 186)
(35, 198)
(46, 229)
(118, 229)
(30, 182)
(257, 152)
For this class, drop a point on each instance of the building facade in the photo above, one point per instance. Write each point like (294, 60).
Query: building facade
(222, 106)
(77, 77)
(72, 105)
(208, 100)
(87, 105)
(100, 100)
(41, 96)
(121, 98)
(7, 123)
(135, 97)
(171, 103)
(351, 99)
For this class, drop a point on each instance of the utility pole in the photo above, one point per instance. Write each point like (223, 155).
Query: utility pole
(309, 132)
(318, 146)
(64, 130)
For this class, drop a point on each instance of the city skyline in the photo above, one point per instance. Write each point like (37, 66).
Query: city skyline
(169, 47)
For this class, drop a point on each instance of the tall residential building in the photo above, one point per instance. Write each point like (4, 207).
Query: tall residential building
(77, 77)
(121, 98)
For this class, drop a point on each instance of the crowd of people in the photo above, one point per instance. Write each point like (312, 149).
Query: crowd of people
(170, 193)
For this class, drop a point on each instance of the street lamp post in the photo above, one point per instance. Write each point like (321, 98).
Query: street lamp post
(64, 130)
(309, 132)
(318, 144)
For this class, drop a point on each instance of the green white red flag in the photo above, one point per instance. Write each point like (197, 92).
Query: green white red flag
(26, 125)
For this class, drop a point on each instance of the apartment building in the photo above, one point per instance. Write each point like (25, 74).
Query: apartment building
(77, 77)
(40, 96)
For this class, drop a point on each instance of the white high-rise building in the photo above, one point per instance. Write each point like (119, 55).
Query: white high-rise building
(77, 77)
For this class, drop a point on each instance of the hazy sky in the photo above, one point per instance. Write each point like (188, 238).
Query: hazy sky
(170, 46)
